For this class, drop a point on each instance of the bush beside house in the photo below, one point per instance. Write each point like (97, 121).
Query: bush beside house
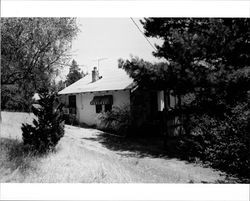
(118, 120)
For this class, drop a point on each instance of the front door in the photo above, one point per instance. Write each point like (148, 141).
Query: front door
(72, 104)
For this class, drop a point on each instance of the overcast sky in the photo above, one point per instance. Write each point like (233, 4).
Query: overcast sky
(110, 38)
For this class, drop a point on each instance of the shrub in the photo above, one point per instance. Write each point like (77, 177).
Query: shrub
(48, 128)
(222, 142)
(117, 120)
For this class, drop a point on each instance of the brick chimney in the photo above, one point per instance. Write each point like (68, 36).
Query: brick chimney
(95, 75)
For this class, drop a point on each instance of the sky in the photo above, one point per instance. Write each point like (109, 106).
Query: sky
(109, 38)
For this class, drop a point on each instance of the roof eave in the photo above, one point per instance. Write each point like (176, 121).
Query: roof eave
(94, 91)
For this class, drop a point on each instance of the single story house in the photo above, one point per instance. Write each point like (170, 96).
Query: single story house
(93, 94)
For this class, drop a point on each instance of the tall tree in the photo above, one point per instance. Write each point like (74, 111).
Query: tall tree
(31, 46)
(74, 73)
(208, 55)
(210, 60)
(32, 50)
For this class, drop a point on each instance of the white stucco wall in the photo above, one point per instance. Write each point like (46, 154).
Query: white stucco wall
(86, 113)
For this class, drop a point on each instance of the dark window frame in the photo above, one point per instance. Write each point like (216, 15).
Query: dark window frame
(98, 108)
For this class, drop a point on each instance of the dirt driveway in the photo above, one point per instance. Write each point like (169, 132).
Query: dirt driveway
(90, 156)
(130, 165)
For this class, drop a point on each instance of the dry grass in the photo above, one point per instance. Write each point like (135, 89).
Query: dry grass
(71, 162)
(79, 160)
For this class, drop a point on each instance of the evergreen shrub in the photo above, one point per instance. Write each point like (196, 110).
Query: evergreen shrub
(48, 128)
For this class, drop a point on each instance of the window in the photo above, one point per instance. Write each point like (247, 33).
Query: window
(102, 103)
(108, 107)
(98, 108)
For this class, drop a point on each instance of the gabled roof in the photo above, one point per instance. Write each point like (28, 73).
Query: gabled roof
(113, 81)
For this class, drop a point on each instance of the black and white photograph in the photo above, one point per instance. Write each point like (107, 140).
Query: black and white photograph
(128, 100)
(159, 100)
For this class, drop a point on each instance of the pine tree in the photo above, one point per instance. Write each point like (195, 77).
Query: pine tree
(207, 57)
(209, 62)
(48, 128)
(74, 73)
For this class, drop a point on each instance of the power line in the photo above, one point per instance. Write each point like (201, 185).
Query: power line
(143, 34)
(146, 37)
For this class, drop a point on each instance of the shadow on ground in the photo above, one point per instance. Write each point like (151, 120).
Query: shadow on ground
(137, 146)
(150, 147)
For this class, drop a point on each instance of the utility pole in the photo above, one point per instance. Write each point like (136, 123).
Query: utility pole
(98, 61)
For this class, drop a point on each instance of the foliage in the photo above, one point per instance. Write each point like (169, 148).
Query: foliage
(31, 46)
(33, 50)
(117, 120)
(145, 73)
(200, 53)
(223, 143)
(48, 128)
(192, 39)
(208, 58)
(13, 99)
(74, 73)
(57, 86)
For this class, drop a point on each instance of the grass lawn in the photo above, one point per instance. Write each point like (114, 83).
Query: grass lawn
(82, 156)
